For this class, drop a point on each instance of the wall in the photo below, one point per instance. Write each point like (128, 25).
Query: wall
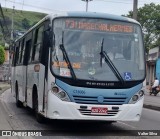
(4, 69)
(151, 65)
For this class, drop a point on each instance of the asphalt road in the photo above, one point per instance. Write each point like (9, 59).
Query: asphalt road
(23, 119)
(152, 100)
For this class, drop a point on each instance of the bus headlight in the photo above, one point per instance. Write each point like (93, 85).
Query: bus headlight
(55, 89)
(141, 93)
(61, 94)
(136, 97)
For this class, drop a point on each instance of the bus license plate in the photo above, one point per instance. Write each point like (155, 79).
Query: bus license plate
(99, 110)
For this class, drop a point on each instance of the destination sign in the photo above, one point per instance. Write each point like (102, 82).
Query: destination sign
(98, 26)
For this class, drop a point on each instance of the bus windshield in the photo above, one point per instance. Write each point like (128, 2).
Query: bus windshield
(97, 49)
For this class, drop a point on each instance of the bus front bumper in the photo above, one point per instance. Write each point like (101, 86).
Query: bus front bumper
(58, 109)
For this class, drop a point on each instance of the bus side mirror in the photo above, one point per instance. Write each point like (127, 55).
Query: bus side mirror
(49, 38)
(52, 38)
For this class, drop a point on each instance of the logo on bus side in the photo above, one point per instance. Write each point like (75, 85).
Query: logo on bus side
(79, 92)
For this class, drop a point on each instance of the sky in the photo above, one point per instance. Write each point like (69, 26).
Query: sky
(117, 7)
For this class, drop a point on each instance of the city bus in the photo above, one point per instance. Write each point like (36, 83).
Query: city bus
(61, 68)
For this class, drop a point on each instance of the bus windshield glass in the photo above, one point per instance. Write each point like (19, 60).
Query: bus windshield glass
(90, 46)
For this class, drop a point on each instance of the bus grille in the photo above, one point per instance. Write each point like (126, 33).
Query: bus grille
(88, 112)
(94, 100)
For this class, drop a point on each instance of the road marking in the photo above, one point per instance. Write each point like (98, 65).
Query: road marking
(126, 124)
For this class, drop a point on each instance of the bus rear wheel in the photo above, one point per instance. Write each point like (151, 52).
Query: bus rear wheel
(18, 103)
(39, 117)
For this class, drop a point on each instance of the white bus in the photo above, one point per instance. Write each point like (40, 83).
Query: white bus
(62, 68)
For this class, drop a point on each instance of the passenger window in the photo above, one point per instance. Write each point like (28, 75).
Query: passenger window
(28, 44)
(17, 55)
(22, 52)
(17, 52)
(17, 58)
(38, 37)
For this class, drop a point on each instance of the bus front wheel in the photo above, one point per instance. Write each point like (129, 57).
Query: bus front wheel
(18, 103)
(39, 117)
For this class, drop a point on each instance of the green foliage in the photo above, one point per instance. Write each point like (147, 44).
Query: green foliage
(2, 55)
(23, 20)
(149, 17)
(19, 16)
(25, 23)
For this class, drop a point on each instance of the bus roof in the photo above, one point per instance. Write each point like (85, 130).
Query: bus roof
(94, 15)
(84, 15)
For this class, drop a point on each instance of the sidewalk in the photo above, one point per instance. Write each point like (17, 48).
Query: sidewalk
(5, 125)
(3, 87)
(4, 117)
(151, 101)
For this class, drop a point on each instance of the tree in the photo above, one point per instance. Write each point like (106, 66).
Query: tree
(25, 24)
(149, 17)
(2, 55)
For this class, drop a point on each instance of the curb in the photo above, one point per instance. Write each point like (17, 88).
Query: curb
(4, 87)
(2, 90)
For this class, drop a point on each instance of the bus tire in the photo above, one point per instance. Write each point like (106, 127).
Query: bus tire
(110, 122)
(39, 117)
(107, 122)
(18, 102)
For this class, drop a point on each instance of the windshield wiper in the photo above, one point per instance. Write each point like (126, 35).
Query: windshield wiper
(110, 63)
(101, 53)
(65, 56)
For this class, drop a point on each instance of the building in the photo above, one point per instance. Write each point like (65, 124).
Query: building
(151, 62)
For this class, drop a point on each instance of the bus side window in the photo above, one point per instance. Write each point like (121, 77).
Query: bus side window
(22, 52)
(30, 43)
(17, 53)
(14, 55)
(38, 34)
(27, 44)
(27, 53)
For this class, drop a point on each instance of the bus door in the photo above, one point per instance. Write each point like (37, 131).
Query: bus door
(19, 68)
(44, 60)
(35, 69)
(26, 78)
(13, 71)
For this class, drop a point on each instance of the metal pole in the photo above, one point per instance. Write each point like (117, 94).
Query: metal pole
(135, 4)
(12, 26)
(22, 5)
(12, 37)
(86, 4)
